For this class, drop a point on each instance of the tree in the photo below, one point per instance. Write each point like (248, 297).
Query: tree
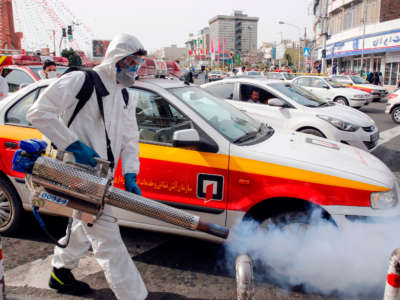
(73, 57)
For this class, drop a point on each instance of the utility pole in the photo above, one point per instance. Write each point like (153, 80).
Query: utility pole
(365, 3)
(324, 33)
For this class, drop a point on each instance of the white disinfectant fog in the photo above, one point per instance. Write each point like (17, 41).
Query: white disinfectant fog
(349, 263)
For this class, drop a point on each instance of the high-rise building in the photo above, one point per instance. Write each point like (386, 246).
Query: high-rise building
(363, 35)
(238, 32)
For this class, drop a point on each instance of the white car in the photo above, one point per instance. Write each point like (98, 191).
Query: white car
(201, 154)
(356, 82)
(293, 108)
(393, 106)
(330, 90)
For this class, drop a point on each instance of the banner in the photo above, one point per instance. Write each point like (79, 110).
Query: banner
(219, 45)
(223, 46)
(212, 47)
(100, 47)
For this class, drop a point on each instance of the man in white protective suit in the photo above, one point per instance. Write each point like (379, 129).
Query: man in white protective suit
(89, 136)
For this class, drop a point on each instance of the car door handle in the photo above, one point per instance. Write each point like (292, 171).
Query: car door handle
(11, 145)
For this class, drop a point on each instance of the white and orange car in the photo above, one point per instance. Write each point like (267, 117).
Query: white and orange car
(356, 82)
(201, 154)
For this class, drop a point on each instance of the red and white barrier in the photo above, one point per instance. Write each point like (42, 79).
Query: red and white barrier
(392, 288)
(244, 278)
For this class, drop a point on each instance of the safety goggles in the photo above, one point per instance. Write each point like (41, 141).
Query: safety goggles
(134, 64)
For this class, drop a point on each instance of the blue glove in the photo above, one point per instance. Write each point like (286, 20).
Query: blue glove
(82, 153)
(25, 158)
(130, 184)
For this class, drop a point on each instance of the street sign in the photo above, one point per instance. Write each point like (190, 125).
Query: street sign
(306, 52)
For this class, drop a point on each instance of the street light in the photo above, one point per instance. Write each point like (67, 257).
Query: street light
(284, 23)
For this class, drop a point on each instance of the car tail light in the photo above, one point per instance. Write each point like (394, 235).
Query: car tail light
(391, 96)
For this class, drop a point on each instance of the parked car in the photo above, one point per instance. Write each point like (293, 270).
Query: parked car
(289, 107)
(285, 76)
(24, 69)
(356, 82)
(192, 142)
(328, 89)
(393, 106)
(215, 75)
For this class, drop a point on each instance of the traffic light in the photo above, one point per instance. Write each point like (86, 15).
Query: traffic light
(64, 32)
(324, 53)
(69, 31)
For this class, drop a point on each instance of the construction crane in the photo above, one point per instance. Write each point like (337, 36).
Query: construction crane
(42, 22)
(9, 39)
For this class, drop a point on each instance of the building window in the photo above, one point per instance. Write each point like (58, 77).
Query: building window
(391, 74)
(348, 18)
(372, 11)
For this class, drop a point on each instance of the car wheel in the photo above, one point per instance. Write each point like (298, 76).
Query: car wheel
(294, 222)
(342, 100)
(312, 131)
(10, 207)
(396, 115)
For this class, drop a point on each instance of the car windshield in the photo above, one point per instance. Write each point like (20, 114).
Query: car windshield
(334, 83)
(221, 115)
(358, 80)
(289, 76)
(36, 70)
(298, 94)
(253, 73)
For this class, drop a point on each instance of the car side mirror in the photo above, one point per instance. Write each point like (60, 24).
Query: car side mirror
(276, 102)
(325, 86)
(185, 138)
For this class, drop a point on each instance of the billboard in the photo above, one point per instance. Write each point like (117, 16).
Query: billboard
(100, 47)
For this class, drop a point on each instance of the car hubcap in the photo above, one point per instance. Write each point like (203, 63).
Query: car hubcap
(396, 115)
(5, 208)
(341, 101)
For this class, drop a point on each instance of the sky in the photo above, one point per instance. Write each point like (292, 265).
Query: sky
(162, 23)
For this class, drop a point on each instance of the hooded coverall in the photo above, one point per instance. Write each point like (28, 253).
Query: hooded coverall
(50, 114)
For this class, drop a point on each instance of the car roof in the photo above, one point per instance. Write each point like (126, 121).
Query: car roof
(247, 79)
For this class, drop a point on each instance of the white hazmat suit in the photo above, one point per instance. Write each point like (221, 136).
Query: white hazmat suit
(58, 102)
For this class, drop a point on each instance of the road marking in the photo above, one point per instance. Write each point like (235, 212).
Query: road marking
(36, 274)
(387, 135)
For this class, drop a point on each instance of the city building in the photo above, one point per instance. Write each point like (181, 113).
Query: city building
(235, 34)
(363, 35)
(170, 53)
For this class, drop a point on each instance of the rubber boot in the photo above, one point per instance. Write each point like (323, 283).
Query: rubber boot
(64, 282)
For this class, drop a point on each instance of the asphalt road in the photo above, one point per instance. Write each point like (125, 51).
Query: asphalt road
(173, 267)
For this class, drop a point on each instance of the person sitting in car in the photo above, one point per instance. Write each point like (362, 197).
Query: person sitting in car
(254, 97)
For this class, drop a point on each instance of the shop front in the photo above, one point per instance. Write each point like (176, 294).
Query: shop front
(380, 52)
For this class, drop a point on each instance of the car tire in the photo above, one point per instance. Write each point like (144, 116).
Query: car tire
(312, 131)
(288, 221)
(396, 114)
(342, 100)
(10, 207)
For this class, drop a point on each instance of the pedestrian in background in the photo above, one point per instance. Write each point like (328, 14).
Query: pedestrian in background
(376, 78)
(242, 71)
(202, 77)
(49, 70)
(3, 88)
(380, 79)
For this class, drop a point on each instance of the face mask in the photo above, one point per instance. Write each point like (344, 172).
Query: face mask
(126, 77)
(51, 74)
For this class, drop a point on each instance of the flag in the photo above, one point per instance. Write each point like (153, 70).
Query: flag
(223, 46)
(190, 52)
(219, 46)
(212, 47)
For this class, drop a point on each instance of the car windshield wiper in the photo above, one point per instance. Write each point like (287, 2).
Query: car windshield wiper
(324, 104)
(247, 136)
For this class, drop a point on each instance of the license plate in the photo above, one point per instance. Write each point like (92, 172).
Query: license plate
(375, 137)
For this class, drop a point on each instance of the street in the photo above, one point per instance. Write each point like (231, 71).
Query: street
(172, 267)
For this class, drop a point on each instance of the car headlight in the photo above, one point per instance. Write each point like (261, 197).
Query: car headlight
(342, 125)
(383, 199)
(360, 96)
